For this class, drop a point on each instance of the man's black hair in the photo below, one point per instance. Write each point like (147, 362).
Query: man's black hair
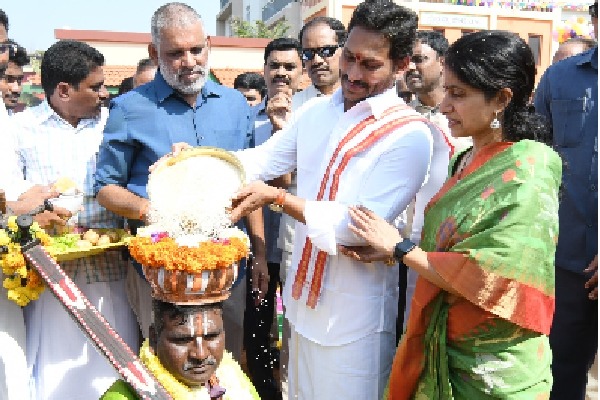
(144, 64)
(434, 39)
(20, 56)
(4, 19)
(249, 80)
(68, 61)
(126, 85)
(283, 44)
(395, 22)
(334, 24)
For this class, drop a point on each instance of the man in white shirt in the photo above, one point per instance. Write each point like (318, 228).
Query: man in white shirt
(61, 138)
(362, 145)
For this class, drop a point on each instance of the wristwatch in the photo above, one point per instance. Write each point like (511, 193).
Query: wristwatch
(277, 205)
(403, 248)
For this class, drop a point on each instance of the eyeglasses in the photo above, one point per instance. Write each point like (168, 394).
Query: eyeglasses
(594, 10)
(323, 52)
(11, 48)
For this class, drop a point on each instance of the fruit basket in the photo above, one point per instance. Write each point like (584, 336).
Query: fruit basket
(71, 246)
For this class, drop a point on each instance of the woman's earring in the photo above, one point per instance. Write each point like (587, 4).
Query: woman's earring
(495, 124)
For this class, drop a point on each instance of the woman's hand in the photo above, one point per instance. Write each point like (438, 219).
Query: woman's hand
(251, 197)
(175, 149)
(381, 237)
(365, 254)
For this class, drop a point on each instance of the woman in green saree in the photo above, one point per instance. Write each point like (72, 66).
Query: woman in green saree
(484, 300)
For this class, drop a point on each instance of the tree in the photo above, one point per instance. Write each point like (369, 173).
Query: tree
(35, 60)
(259, 29)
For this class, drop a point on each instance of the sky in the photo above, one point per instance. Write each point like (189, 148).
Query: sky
(32, 23)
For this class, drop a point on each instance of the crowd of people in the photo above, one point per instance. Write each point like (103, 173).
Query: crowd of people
(428, 212)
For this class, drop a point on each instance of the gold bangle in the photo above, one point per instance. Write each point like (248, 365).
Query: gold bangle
(390, 262)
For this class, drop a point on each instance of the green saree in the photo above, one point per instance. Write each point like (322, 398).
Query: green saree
(491, 235)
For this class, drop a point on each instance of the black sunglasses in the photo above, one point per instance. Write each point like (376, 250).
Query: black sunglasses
(11, 48)
(594, 10)
(325, 51)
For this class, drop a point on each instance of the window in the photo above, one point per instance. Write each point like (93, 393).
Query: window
(535, 42)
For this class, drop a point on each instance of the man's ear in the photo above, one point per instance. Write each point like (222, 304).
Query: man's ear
(63, 91)
(153, 53)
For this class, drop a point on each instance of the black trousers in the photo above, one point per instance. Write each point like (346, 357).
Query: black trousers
(573, 336)
(257, 337)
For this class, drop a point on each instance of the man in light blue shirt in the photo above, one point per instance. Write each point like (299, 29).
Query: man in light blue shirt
(181, 104)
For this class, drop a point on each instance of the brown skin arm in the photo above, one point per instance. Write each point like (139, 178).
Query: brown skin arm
(258, 194)
(122, 202)
(34, 198)
(283, 181)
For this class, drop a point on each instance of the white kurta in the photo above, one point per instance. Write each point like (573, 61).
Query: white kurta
(357, 299)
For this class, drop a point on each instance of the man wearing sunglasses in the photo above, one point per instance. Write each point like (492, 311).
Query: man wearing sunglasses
(321, 39)
(568, 95)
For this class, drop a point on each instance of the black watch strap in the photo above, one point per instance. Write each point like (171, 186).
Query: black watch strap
(402, 248)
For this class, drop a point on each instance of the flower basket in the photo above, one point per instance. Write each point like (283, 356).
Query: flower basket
(182, 287)
(190, 253)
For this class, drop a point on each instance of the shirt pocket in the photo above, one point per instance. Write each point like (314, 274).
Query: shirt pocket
(568, 117)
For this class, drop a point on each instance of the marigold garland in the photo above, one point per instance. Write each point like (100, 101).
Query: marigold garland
(168, 254)
(23, 284)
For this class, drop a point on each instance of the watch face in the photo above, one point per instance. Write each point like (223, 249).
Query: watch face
(402, 248)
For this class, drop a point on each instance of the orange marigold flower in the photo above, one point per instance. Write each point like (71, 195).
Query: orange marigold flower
(168, 254)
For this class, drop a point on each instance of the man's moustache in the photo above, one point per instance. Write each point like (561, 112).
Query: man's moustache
(195, 70)
(360, 83)
(206, 362)
(281, 79)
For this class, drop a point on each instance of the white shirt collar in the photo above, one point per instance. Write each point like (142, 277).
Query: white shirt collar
(377, 104)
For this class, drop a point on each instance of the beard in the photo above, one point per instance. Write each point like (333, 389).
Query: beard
(173, 77)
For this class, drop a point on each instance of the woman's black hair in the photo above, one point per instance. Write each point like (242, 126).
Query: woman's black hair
(493, 60)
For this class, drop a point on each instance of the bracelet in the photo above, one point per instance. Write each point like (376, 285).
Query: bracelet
(277, 205)
(390, 262)
(280, 200)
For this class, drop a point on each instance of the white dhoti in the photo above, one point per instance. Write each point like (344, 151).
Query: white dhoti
(14, 378)
(62, 362)
(358, 370)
